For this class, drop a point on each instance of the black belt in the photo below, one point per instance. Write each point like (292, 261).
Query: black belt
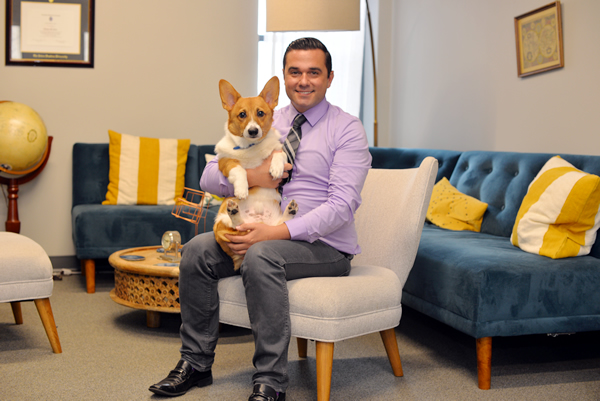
(347, 255)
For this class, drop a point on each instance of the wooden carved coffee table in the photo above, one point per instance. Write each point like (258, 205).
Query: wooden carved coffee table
(151, 284)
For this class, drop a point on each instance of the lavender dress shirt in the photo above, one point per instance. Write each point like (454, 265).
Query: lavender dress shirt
(331, 166)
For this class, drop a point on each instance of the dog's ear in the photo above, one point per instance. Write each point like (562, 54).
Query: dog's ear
(229, 96)
(271, 92)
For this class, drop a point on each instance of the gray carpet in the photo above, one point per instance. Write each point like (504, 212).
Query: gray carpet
(110, 354)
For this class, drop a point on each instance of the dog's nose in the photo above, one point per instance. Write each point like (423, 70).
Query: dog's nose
(253, 132)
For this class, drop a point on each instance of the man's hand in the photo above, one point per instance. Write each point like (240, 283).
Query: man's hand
(257, 232)
(260, 176)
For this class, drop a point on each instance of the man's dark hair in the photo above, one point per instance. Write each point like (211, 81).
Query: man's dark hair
(309, 44)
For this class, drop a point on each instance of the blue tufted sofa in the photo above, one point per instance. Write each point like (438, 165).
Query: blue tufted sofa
(99, 230)
(479, 283)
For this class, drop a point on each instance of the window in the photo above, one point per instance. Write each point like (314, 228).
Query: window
(347, 51)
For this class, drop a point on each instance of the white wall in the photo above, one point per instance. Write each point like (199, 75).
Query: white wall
(157, 67)
(452, 78)
(446, 79)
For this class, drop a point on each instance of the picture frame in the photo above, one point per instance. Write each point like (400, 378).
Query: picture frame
(539, 40)
(51, 33)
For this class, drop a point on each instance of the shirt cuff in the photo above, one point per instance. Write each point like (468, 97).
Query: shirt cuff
(297, 229)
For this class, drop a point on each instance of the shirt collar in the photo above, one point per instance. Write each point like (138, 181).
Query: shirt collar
(314, 114)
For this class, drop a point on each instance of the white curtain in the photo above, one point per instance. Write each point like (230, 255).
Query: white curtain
(346, 48)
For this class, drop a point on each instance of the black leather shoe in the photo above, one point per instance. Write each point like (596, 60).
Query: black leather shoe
(181, 379)
(262, 392)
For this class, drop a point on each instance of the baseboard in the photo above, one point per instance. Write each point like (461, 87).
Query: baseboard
(66, 263)
(72, 264)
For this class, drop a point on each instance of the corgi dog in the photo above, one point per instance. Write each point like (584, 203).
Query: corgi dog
(249, 139)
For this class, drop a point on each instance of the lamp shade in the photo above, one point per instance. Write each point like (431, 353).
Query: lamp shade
(313, 15)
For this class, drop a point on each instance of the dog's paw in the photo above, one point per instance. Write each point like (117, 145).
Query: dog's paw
(292, 208)
(240, 193)
(276, 170)
(232, 208)
(277, 165)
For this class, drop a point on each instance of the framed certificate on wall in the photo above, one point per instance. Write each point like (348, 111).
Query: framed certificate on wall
(56, 33)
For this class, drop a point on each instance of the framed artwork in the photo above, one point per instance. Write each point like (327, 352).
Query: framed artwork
(58, 33)
(539, 40)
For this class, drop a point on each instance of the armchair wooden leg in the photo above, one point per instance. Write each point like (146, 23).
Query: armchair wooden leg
(484, 362)
(16, 309)
(324, 368)
(45, 311)
(302, 347)
(391, 347)
(88, 268)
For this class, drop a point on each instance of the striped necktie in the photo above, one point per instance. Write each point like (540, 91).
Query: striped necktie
(292, 142)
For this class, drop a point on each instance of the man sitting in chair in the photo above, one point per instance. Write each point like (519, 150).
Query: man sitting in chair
(329, 171)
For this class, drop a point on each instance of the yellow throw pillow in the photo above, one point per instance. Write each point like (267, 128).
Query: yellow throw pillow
(454, 210)
(559, 215)
(145, 171)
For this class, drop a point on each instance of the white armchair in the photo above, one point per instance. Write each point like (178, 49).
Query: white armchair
(329, 309)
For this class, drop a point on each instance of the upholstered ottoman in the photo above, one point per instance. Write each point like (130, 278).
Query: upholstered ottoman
(26, 275)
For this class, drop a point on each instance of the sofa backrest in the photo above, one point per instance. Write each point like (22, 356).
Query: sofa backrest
(501, 179)
(91, 166)
(396, 158)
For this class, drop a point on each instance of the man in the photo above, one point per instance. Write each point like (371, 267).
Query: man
(327, 177)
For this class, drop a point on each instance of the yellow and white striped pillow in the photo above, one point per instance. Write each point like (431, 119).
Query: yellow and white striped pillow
(145, 171)
(559, 216)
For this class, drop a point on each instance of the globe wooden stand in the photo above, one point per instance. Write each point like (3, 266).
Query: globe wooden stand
(12, 218)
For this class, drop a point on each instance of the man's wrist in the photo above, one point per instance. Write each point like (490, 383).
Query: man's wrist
(282, 232)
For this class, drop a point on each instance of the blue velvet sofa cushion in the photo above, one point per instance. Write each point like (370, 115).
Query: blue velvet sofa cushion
(483, 286)
(100, 230)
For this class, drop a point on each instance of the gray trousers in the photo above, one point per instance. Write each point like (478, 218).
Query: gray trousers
(266, 268)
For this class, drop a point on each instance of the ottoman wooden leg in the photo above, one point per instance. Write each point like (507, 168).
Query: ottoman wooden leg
(45, 311)
(16, 309)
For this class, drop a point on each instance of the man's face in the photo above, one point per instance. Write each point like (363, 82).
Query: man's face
(305, 78)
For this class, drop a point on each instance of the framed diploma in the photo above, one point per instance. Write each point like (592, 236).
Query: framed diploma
(56, 33)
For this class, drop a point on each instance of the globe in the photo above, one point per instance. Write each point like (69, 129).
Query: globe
(23, 138)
